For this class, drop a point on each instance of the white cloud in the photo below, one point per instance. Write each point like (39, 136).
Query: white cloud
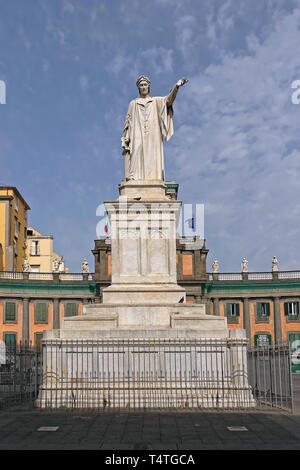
(24, 38)
(84, 82)
(68, 6)
(45, 65)
(158, 60)
(240, 141)
(59, 33)
(118, 63)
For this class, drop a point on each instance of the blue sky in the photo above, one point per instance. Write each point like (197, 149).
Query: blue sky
(70, 68)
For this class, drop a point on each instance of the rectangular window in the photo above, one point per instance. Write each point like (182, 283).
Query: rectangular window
(35, 268)
(16, 203)
(10, 312)
(262, 340)
(71, 309)
(35, 248)
(232, 312)
(10, 340)
(40, 312)
(262, 311)
(291, 310)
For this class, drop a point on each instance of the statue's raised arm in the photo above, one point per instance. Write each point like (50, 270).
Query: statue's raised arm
(172, 95)
(149, 121)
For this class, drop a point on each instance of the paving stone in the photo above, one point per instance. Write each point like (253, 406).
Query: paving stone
(185, 430)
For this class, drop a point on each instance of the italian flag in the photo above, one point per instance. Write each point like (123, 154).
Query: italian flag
(106, 225)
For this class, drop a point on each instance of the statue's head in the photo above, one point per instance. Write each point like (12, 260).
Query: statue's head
(143, 84)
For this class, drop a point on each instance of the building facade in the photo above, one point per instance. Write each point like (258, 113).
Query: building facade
(30, 304)
(266, 304)
(40, 254)
(13, 229)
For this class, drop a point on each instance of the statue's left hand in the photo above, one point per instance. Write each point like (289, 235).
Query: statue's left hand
(182, 82)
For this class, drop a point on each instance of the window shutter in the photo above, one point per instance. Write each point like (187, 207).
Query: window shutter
(67, 310)
(237, 310)
(268, 309)
(40, 312)
(286, 308)
(297, 308)
(258, 309)
(228, 310)
(10, 340)
(10, 311)
(70, 309)
(270, 339)
(37, 312)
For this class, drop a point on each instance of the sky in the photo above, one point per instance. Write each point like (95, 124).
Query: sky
(70, 67)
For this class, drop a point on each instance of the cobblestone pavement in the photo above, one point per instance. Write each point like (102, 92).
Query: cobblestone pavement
(157, 430)
(19, 429)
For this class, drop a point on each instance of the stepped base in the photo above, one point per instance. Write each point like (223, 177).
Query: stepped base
(100, 317)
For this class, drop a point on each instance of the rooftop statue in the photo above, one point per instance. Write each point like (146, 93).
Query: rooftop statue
(148, 123)
(274, 264)
(244, 265)
(85, 266)
(215, 266)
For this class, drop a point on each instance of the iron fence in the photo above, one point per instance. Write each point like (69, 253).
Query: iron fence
(270, 376)
(20, 374)
(147, 373)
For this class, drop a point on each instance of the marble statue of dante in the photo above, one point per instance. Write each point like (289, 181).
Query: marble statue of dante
(148, 123)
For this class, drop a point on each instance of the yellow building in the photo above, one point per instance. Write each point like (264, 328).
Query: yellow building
(40, 254)
(13, 229)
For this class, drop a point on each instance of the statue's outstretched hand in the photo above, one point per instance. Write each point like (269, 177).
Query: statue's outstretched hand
(182, 82)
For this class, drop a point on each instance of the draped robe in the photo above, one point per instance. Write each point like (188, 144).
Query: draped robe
(148, 123)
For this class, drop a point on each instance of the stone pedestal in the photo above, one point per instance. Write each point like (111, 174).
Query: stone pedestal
(143, 223)
(144, 346)
(123, 368)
